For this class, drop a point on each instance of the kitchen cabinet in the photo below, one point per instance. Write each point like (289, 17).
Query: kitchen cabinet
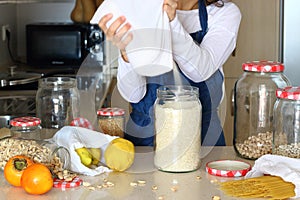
(258, 39)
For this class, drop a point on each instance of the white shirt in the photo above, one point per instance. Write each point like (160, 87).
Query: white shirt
(197, 62)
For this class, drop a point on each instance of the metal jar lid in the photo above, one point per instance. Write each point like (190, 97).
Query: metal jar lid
(25, 121)
(110, 112)
(263, 66)
(290, 92)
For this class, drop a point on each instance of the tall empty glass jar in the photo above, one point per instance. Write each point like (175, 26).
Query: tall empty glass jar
(254, 98)
(178, 129)
(57, 102)
(287, 122)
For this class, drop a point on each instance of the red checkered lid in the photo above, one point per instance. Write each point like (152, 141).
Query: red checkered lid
(60, 183)
(82, 122)
(290, 92)
(110, 112)
(25, 121)
(228, 168)
(263, 66)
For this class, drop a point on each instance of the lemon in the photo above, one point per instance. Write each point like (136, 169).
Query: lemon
(119, 154)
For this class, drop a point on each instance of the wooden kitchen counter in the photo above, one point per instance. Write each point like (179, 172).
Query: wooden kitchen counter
(189, 186)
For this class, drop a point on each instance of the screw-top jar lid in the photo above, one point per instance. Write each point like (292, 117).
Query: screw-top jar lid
(110, 112)
(290, 92)
(263, 66)
(25, 121)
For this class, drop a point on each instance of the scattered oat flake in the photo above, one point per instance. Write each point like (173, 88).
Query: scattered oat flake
(86, 184)
(174, 189)
(141, 181)
(154, 187)
(91, 188)
(161, 198)
(216, 198)
(198, 177)
(134, 184)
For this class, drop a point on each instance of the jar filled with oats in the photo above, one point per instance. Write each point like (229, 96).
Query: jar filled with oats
(177, 141)
(111, 121)
(254, 98)
(287, 122)
(26, 128)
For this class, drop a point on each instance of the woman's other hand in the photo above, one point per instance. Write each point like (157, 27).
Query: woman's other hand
(117, 32)
(170, 7)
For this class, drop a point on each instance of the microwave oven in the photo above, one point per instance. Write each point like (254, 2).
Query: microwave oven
(60, 45)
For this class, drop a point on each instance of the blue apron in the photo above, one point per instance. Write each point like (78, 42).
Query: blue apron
(140, 126)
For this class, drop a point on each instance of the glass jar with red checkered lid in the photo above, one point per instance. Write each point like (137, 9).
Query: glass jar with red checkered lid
(111, 121)
(254, 99)
(286, 124)
(26, 128)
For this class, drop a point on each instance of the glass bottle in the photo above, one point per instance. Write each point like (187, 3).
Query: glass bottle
(111, 121)
(26, 128)
(287, 122)
(254, 98)
(57, 102)
(177, 143)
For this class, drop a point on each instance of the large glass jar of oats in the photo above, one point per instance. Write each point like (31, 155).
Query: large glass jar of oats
(177, 129)
(287, 122)
(254, 98)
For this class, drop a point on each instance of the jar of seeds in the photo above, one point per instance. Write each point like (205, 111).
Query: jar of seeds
(111, 121)
(287, 122)
(254, 98)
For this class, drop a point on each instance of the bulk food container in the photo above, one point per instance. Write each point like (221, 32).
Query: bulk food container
(254, 98)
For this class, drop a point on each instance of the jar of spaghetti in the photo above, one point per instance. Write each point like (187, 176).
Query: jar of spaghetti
(26, 128)
(111, 121)
(254, 98)
(177, 141)
(287, 122)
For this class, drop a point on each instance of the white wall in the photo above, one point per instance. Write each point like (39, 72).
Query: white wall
(18, 15)
(7, 16)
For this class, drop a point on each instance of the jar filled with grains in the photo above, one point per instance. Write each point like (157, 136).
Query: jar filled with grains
(111, 121)
(177, 142)
(26, 128)
(254, 98)
(287, 122)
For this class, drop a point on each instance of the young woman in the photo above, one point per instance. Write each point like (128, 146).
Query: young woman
(204, 34)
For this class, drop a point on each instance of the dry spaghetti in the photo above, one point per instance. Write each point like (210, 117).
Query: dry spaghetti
(271, 187)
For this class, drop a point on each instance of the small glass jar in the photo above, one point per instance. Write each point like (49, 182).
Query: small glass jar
(57, 102)
(287, 122)
(111, 121)
(177, 141)
(254, 98)
(26, 128)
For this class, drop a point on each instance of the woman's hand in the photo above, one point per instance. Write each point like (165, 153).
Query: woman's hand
(170, 7)
(117, 32)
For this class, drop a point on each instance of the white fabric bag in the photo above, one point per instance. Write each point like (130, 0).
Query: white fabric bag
(150, 51)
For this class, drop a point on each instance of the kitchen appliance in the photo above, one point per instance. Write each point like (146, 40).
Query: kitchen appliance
(61, 45)
(290, 40)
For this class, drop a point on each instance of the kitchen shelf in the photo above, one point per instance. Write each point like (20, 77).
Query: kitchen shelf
(31, 1)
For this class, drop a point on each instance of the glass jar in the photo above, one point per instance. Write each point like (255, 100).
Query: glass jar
(287, 122)
(111, 121)
(254, 98)
(57, 102)
(26, 128)
(177, 142)
(55, 157)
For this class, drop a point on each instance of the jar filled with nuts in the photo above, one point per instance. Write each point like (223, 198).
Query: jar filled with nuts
(254, 98)
(26, 128)
(287, 122)
(111, 121)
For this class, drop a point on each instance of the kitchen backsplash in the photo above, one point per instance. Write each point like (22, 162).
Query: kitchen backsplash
(18, 15)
